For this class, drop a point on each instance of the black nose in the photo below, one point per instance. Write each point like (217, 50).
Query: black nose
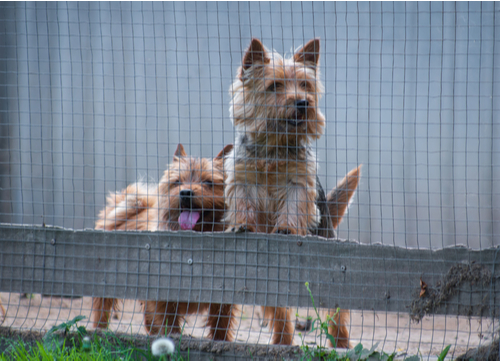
(301, 106)
(186, 193)
(186, 197)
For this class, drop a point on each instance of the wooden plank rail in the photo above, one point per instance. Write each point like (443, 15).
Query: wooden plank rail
(248, 269)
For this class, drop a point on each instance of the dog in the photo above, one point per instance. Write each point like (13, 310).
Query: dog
(271, 172)
(189, 196)
(271, 182)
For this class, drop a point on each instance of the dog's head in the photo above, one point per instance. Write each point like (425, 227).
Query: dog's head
(191, 193)
(275, 99)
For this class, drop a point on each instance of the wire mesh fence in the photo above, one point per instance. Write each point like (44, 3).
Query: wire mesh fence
(276, 106)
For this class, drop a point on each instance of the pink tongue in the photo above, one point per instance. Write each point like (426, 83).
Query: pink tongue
(188, 219)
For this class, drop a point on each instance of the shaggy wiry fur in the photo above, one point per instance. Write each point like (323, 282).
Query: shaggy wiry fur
(271, 173)
(190, 196)
(271, 183)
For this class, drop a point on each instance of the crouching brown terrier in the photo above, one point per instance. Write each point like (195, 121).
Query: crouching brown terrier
(190, 196)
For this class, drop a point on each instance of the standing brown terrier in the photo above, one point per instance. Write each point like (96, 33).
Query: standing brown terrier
(271, 173)
(271, 183)
(190, 196)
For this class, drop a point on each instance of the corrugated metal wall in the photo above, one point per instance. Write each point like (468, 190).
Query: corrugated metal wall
(97, 95)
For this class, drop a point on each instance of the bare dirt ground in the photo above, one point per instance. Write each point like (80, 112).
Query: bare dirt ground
(394, 332)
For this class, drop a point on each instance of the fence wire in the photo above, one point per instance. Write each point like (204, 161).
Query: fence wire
(96, 97)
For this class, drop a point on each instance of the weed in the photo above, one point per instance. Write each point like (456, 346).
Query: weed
(321, 352)
(443, 353)
(54, 338)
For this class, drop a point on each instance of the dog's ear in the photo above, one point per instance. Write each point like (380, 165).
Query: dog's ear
(255, 54)
(308, 54)
(339, 198)
(224, 152)
(179, 152)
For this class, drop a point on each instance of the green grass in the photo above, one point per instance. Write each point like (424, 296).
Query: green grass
(97, 350)
(68, 341)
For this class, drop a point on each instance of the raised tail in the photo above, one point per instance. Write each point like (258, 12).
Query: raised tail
(339, 198)
(134, 208)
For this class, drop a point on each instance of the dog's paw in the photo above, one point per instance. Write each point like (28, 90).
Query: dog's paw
(285, 231)
(263, 322)
(241, 229)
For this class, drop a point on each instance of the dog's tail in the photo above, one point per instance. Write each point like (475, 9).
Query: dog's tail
(131, 209)
(339, 198)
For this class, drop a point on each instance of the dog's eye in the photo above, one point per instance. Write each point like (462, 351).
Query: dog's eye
(176, 182)
(303, 85)
(208, 183)
(272, 87)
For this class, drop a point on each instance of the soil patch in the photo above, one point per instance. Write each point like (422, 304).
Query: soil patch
(484, 353)
(475, 274)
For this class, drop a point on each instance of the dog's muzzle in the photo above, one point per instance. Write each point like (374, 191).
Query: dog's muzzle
(186, 196)
(300, 118)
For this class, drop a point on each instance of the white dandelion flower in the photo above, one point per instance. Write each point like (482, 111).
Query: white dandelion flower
(86, 344)
(162, 346)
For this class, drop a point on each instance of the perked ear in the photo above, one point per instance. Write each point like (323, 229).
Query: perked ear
(224, 152)
(179, 152)
(255, 54)
(309, 53)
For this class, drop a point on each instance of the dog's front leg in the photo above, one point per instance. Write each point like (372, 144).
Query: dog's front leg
(241, 215)
(297, 212)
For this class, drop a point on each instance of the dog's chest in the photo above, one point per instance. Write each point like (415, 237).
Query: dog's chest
(276, 173)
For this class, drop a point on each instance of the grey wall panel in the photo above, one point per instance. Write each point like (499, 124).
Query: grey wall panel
(97, 95)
